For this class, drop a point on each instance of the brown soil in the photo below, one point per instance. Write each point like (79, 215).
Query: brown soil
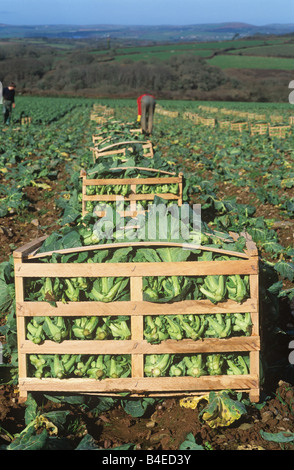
(40, 218)
(167, 425)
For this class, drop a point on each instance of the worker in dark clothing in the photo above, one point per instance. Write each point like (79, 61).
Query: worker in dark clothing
(146, 107)
(8, 102)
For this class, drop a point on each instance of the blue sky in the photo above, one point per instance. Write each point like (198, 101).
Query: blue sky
(150, 12)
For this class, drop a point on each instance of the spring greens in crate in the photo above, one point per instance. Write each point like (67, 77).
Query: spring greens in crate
(58, 329)
(215, 288)
(196, 365)
(214, 325)
(64, 366)
(179, 224)
(103, 366)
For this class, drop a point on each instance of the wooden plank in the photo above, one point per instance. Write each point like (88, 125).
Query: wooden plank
(21, 330)
(156, 170)
(126, 142)
(251, 248)
(28, 247)
(192, 246)
(185, 268)
(137, 327)
(99, 154)
(138, 346)
(31, 309)
(135, 181)
(142, 384)
(131, 197)
(128, 213)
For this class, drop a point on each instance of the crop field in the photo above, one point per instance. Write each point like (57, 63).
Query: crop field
(237, 164)
(162, 55)
(251, 62)
(274, 52)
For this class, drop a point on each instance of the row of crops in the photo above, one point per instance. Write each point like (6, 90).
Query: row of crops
(155, 289)
(259, 166)
(232, 215)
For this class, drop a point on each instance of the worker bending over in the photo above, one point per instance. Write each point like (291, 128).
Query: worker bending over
(146, 107)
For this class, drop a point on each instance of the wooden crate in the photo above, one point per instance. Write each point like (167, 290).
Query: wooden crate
(165, 112)
(224, 124)
(192, 116)
(239, 126)
(99, 119)
(120, 148)
(279, 131)
(133, 197)
(28, 265)
(104, 110)
(207, 121)
(276, 118)
(260, 129)
(260, 117)
(26, 120)
(243, 115)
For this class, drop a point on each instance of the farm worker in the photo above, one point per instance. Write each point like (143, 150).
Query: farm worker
(146, 106)
(8, 101)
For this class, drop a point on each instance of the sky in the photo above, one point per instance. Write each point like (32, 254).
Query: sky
(150, 12)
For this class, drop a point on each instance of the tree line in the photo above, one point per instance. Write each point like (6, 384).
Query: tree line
(47, 70)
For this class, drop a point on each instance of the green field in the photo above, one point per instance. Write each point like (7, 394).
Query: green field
(250, 62)
(200, 49)
(277, 50)
(163, 55)
(243, 54)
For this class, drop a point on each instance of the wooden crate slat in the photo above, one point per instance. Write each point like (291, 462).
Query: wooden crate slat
(33, 309)
(130, 197)
(154, 170)
(110, 150)
(137, 327)
(143, 384)
(185, 268)
(36, 255)
(20, 324)
(29, 247)
(33, 254)
(136, 181)
(137, 346)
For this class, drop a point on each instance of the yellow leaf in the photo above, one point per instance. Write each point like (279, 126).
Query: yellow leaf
(41, 185)
(192, 402)
(43, 422)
